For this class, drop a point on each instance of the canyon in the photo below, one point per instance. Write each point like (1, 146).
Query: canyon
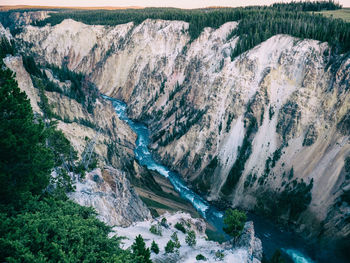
(266, 131)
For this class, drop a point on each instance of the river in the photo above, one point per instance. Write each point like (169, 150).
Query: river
(271, 236)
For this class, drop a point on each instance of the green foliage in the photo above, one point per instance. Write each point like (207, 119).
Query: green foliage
(347, 166)
(81, 90)
(202, 182)
(140, 253)
(62, 149)
(215, 236)
(234, 221)
(175, 238)
(286, 207)
(296, 198)
(344, 124)
(277, 257)
(257, 23)
(345, 197)
(25, 161)
(64, 74)
(156, 229)
(291, 173)
(271, 112)
(179, 226)
(271, 163)
(181, 126)
(44, 102)
(191, 238)
(50, 230)
(164, 222)
(201, 257)
(170, 247)
(219, 255)
(6, 47)
(243, 155)
(38, 223)
(261, 24)
(154, 247)
(308, 6)
(31, 67)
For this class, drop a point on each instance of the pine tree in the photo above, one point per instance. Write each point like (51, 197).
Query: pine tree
(234, 221)
(175, 238)
(25, 161)
(154, 247)
(140, 253)
(191, 238)
(170, 247)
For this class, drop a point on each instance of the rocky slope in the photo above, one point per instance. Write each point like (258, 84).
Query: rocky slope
(267, 131)
(110, 193)
(108, 189)
(246, 249)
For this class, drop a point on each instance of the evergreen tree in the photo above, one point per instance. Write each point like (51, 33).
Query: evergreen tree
(51, 230)
(25, 161)
(154, 247)
(191, 238)
(141, 254)
(175, 238)
(170, 247)
(234, 221)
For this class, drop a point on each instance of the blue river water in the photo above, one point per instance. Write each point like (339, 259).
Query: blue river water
(272, 238)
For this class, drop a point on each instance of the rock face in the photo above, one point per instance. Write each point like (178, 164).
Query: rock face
(251, 242)
(270, 126)
(107, 190)
(110, 193)
(26, 18)
(24, 81)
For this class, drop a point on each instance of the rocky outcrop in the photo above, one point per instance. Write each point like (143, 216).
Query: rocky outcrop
(24, 81)
(269, 124)
(109, 192)
(5, 32)
(213, 251)
(26, 18)
(249, 241)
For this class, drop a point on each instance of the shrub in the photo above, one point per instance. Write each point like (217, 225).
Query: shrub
(191, 238)
(180, 227)
(154, 247)
(156, 229)
(219, 255)
(234, 221)
(201, 257)
(175, 238)
(164, 222)
(170, 247)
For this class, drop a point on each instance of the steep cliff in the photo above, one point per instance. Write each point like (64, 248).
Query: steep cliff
(108, 189)
(267, 131)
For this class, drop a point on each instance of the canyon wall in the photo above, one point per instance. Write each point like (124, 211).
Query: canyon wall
(267, 131)
(112, 142)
